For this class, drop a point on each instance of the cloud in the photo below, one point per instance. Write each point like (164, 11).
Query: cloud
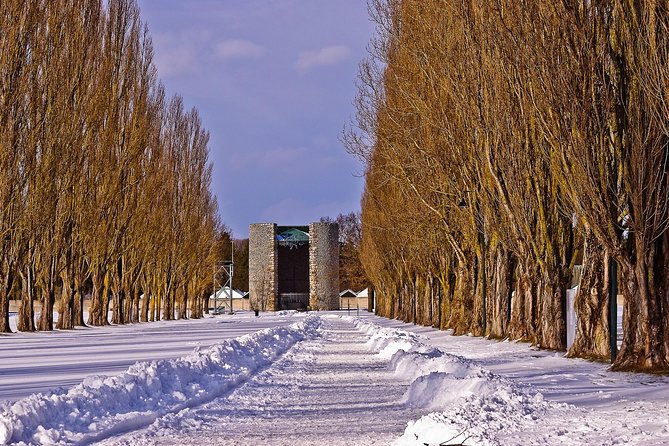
(327, 56)
(180, 53)
(238, 49)
(176, 63)
(187, 52)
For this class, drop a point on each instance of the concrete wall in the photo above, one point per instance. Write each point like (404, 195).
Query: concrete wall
(324, 266)
(263, 268)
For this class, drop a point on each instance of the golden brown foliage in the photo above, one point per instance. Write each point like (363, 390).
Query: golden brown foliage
(500, 138)
(104, 185)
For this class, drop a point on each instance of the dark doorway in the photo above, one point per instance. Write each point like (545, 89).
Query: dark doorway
(293, 264)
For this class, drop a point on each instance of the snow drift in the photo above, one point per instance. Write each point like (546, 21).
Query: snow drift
(102, 406)
(471, 404)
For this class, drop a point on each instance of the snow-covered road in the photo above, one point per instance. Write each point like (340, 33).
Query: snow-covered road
(331, 389)
(296, 379)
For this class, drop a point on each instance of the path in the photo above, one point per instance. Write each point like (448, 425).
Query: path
(330, 390)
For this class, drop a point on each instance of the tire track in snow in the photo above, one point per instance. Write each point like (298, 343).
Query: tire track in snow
(329, 390)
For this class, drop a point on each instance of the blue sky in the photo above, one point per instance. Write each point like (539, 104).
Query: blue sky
(274, 83)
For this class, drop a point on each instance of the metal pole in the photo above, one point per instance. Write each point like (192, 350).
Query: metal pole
(613, 308)
(213, 288)
(232, 266)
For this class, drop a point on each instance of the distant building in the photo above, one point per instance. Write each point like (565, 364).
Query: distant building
(294, 267)
(351, 299)
(240, 299)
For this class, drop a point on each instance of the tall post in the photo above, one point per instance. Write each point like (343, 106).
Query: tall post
(232, 268)
(613, 308)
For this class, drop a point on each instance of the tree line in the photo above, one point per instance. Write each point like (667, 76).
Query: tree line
(505, 142)
(104, 181)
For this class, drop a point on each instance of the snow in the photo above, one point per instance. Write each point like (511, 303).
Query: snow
(101, 405)
(507, 393)
(325, 378)
(328, 389)
(37, 362)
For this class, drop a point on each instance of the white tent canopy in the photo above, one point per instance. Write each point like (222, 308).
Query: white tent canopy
(224, 293)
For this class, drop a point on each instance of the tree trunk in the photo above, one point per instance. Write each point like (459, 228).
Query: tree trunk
(118, 302)
(403, 307)
(97, 314)
(168, 309)
(479, 320)
(126, 305)
(66, 304)
(523, 305)
(184, 305)
(106, 290)
(5, 289)
(133, 298)
(116, 306)
(646, 309)
(205, 303)
(26, 316)
(118, 293)
(500, 278)
(118, 313)
(45, 322)
(434, 296)
(552, 318)
(179, 302)
(195, 304)
(5, 293)
(421, 296)
(592, 305)
(128, 302)
(144, 311)
(447, 282)
(154, 307)
(462, 303)
(79, 298)
(48, 298)
(158, 302)
(47, 301)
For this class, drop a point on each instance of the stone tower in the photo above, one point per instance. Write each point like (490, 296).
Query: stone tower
(284, 273)
(324, 266)
(263, 271)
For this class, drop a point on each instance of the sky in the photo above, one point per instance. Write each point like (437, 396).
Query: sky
(274, 82)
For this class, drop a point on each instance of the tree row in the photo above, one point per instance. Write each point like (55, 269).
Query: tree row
(104, 182)
(506, 142)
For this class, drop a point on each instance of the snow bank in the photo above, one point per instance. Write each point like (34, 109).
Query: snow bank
(103, 406)
(472, 405)
(494, 409)
(387, 341)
